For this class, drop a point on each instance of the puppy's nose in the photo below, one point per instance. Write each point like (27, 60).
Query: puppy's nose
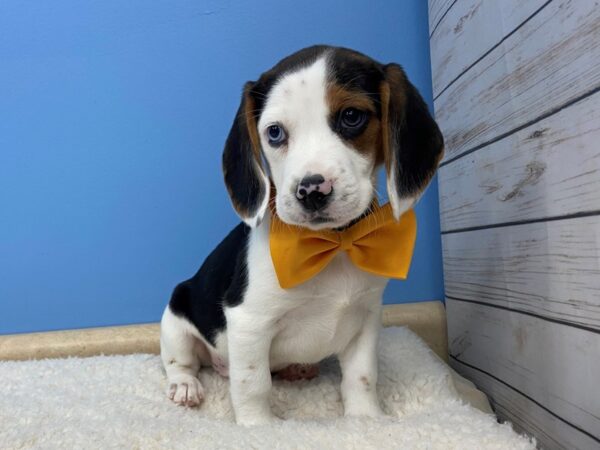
(314, 192)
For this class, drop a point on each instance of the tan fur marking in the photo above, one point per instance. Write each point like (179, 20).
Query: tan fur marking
(369, 141)
(339, 98)
(385, 92)
(250, 122)
(386, 139)
(249, 108)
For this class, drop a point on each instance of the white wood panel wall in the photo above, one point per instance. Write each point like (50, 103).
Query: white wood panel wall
(517, 94)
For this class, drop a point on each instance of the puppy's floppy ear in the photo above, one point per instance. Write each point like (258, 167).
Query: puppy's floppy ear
(245, 178)
(412, 142)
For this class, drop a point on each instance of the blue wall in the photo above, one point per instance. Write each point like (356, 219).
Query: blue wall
(113, 115)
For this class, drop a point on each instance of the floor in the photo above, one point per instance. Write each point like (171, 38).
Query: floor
(119, 402)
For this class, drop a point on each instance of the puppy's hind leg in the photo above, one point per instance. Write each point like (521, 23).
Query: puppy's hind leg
(182, 354)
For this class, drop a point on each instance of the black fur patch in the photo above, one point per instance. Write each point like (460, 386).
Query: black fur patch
(418, 142)
(240, 169)
(358, 72)
(221, 281)
(421, 144)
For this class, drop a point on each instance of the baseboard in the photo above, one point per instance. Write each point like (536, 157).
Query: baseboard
(427, 319)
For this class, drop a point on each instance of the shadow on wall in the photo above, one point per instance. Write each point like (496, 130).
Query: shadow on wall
(112, 122)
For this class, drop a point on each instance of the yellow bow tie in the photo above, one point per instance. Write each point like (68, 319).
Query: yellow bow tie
(377, 244)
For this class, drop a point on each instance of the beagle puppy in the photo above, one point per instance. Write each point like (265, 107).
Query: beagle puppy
(306, 144)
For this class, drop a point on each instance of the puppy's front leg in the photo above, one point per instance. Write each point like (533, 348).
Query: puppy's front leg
(249, 343)
(359, 371)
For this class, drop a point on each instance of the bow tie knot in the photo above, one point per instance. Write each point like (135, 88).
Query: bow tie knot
(346, 241)
(377, 244)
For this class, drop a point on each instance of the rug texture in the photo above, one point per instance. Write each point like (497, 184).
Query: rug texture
(119, 402)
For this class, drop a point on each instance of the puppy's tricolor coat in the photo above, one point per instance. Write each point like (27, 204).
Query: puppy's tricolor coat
(306, 143)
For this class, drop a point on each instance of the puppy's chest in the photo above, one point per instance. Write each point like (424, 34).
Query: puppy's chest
(339, 289)
(316, 329)
(315, 319)
(326, 313)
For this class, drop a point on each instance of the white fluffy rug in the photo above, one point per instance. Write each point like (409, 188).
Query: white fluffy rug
(119, 402)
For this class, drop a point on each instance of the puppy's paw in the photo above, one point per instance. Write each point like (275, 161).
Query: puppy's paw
(185, 390)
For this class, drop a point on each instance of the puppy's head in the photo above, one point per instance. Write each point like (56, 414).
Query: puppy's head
(316, 127)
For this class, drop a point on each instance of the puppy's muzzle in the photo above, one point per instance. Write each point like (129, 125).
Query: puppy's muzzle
(314, 192)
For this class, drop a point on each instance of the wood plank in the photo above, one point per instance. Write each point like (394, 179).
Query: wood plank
(470, 29)
(525, 416)
(554, 364)
(550, 61)
(437, 9)
(551, 168)
(548, 268)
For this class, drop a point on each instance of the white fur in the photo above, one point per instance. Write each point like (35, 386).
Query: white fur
(335, 313)
(181, 348)
(399, 205)
(298, 102)
(305, 324)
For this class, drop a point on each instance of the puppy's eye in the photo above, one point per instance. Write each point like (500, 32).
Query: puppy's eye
(276, 135)
(352, 118)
